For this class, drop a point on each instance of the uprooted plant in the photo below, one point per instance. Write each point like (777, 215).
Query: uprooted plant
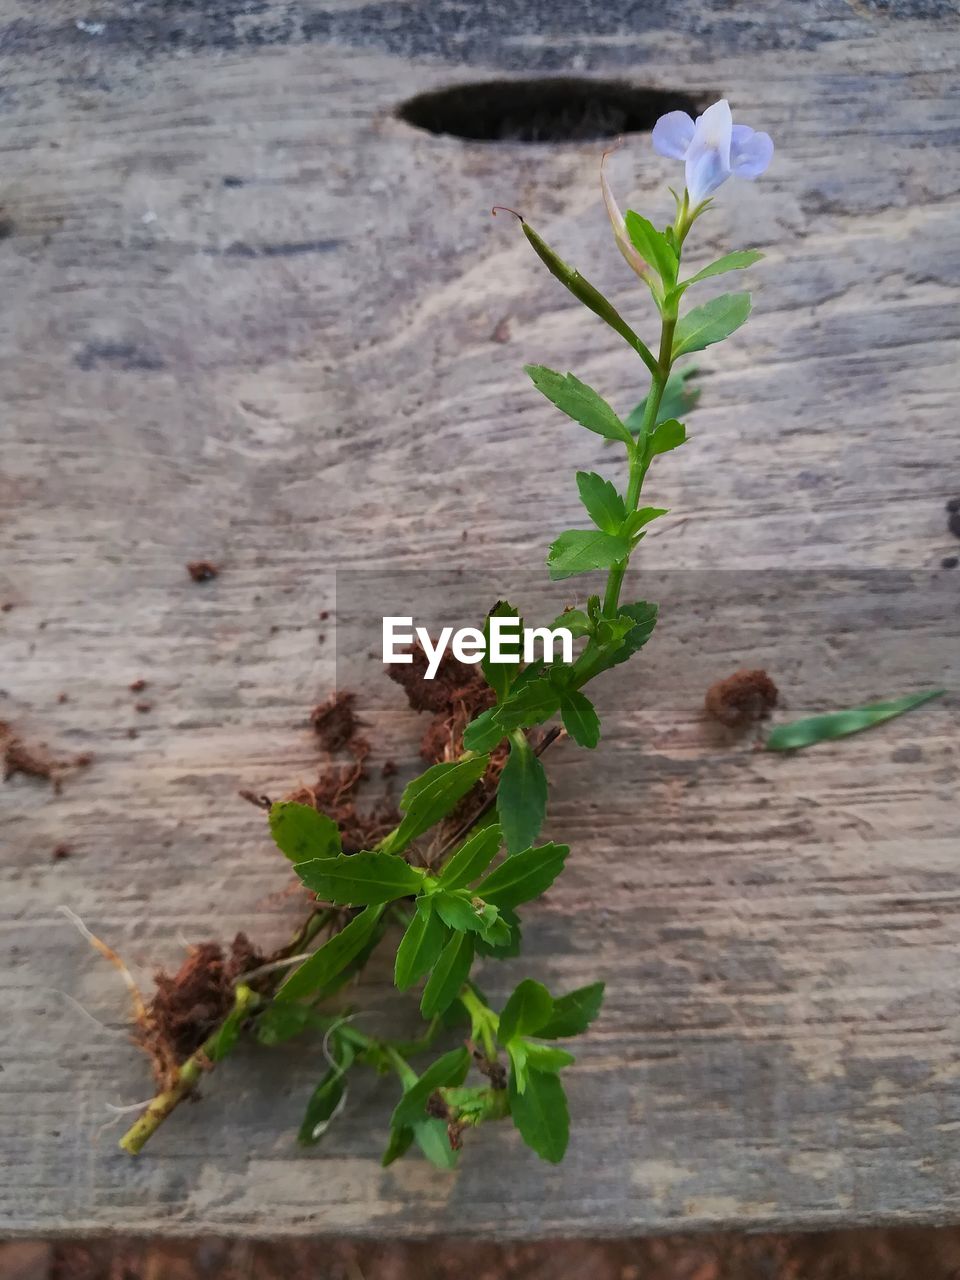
(458, 900)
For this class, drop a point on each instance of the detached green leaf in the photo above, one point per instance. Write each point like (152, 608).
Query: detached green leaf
(670, 434)
(839, 724)
(528, 1009)
(301, 832)
(331, 959)
(588, 295)
(712, 322)
(678, 399)
(449, 974)
(523, 876)
(540, 1114)
(579, 402)
(581, 550)
(729, 262)
(580, 718)
(360, 879)
(326, 1098)
(602, 501)
(653, 246)
(432, 796)
(573, 1013)
(500, 675)
(472, 858)
(419, 947)
(521, 800)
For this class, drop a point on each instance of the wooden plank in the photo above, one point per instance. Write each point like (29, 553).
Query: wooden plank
(249, 316)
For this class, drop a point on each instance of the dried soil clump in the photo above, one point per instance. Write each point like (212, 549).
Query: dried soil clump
(456, 694)
(35, 761)
(202, 570)
(188, 1005)
(742, 699)
(336, 723)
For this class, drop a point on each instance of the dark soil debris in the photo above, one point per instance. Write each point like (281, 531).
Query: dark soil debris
(137, 686)
(741, 699)
(34, 761)
(62, 851)
(335, 721)
(202, 570)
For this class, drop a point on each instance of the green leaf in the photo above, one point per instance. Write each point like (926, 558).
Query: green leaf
(677, 399)
(579, 402)
(576, 622)
(590, 297)
(517, 1053)
(712, 322)
(653, 246)
(729, 262)
(500, 675)
(602, 501)
(449, 974)
(540, 1114)
(450, 1069)
(670, 434)
(580, 718)
(544, 1057)
(331, 959)
(573, 1013)
(458, 911)
(637, 520)
(401, 1140)
(528, 1009)
(838, 724)
(523, 876)
(419, 947)
(581, 550)
(280, 1022)
(521, 799)
(472, 858)
(360, 879)
(301, 832)
(482, 733)
(503, 942)
(530, 704)
(326, 1099)
(432, 796)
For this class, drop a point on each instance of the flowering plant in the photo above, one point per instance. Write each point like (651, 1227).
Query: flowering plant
(464, 905)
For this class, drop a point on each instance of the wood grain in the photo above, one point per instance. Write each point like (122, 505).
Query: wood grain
(249, 316)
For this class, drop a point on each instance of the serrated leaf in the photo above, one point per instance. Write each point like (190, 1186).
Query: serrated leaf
(670, 434)
(331, 959)
(429, 798)
(301, 832)
(419, 947)
(581, 550)
(544, 1057)
(458, 911)
(573, 1013)
(580, 718)
(529, 1008)
(639, 519)
(529, 704)
(523, 876)
(510, 947)
(653, 246)
(729, 262)
(603, 503)
(449, 974)
(326, 1099)
(500, 675)
(576, 622)
(540, 1114)
(360, 879)
(677, 399)
(839, 724)
(590, 296)
(482, 733)
(472, 858)
(521, 799)
(712, 322)
(579, 402)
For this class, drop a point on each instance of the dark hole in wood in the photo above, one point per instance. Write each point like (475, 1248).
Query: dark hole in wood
(543, 110)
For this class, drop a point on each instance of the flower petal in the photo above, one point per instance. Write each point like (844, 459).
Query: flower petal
(624, 243)
(750, 155)
(708, 156)
(672, 135)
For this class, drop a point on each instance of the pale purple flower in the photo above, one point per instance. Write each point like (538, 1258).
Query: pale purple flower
(713, 147)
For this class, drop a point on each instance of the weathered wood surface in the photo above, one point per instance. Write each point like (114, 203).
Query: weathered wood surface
(249, 316)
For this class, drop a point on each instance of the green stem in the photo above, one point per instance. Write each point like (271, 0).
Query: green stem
(484, 1022)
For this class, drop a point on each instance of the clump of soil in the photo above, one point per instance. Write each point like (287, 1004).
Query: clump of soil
(189, 1004)
(33, 760)
(742, 699)
(202, 570)
(456, 694)
(335, 721)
